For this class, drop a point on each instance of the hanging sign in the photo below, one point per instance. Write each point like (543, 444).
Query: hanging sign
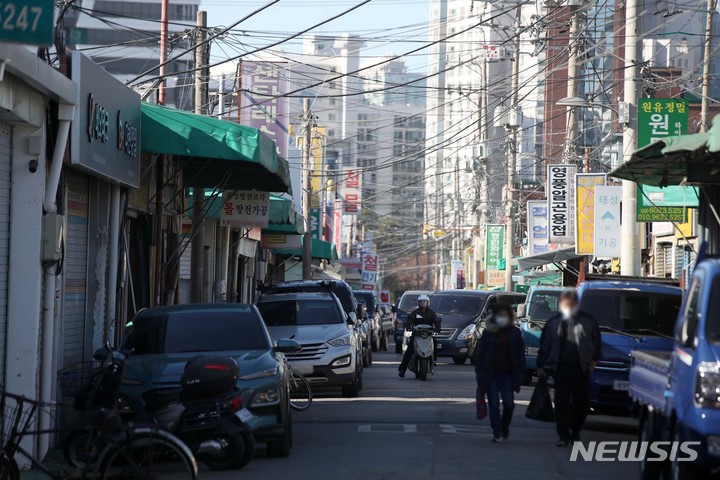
(585, 184)
(561, 194)
(243, 209)
(608, 237)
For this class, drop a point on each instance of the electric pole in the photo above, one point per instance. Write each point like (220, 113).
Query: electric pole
(704, 124)
(197, 250)
(307, 190)
(571, 130)
(163, 49)
(512, 156)
(630, 247)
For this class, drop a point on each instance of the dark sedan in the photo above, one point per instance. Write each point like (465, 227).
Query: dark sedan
(163, 339)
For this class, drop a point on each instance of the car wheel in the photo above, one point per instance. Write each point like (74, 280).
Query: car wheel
(398, 348)
(685, 470)
(384, 342)
(352, 390)
(458, 360)
(369, 357)
(280, 448)
(374, 341)
(648, 470)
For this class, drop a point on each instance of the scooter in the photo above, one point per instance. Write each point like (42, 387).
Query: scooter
(421, 362)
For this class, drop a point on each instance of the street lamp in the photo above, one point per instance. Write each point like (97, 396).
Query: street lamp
(578, 102)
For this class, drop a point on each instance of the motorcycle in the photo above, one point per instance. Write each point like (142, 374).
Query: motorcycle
(421, 362)
(205, 413)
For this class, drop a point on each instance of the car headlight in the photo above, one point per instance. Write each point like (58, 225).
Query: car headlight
(341, 341)
(266, 397)
(707, 385)
(467, 332)
(270, 372)
(341, 362)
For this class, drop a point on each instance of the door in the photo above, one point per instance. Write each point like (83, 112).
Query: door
(5, 161)
(74, 310)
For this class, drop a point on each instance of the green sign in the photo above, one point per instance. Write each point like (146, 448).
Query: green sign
(494, 246)
(658, 119)
(316, 230)
(27, 21)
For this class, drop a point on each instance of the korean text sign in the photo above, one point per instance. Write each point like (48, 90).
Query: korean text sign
(494, 246)
(351, 191)
(608, 237)
(561, 210)
(370, 264)
(585, 184)
(245, 209)
(537, 221)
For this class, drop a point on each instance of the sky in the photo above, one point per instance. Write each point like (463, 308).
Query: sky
(378, 18)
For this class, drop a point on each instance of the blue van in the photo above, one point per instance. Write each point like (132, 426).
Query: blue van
(541, 304)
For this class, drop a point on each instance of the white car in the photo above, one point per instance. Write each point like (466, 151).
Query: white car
(330, 354)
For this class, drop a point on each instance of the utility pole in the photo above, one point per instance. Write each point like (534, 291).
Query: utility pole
(571, 130)
(512, 157)
(630, 248)
(706, 67)
(307, 190)
(164, 7)
(201, 98)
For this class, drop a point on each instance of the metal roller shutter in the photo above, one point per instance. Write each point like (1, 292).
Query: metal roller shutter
(77, 195)
(5, 161)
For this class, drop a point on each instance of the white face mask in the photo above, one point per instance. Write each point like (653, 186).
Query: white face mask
(502, 321)
(568, 312)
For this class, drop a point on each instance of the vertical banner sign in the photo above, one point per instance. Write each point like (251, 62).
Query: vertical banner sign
(658, 119)
(537, 224)
(560, 193)
(585, 184)
(263, 104)
(457, 274)
(351, 192)
(243, 209)
(369, 271)
(337, 225)
(384, 297)
(316, 229)
(494, 243)
(607, 221)
(317, 161)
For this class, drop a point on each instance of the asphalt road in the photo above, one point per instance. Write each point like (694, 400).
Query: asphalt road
(407, 429)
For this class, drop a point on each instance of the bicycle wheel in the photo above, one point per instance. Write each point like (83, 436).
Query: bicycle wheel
(300, 393)
(148, 453)
(8, 468)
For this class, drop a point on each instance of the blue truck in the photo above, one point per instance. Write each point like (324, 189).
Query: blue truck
(677, 391)
(633, 313)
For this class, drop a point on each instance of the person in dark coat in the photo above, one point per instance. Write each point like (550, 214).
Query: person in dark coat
(569, 350)
(499, 367)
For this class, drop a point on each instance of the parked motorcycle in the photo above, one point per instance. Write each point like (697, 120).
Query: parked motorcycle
(206, 413)
(421, 362)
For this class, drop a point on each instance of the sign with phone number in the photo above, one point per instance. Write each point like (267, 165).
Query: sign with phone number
(27, 21)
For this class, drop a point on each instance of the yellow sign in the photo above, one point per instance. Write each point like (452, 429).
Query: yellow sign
(317, 162)
(686, 229)
(585, 184)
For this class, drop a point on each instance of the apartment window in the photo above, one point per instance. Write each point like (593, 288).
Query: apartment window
(331, 133)
(333, 101)
(331, 117)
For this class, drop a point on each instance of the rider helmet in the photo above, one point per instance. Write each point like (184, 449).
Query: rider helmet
(423, 301)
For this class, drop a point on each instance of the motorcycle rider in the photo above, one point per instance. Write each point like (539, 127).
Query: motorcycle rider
(419, 316)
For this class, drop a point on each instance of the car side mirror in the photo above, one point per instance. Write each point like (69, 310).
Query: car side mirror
(286, 345)
(521, 311)
(394, 309)
(688, 332)
(353, 318)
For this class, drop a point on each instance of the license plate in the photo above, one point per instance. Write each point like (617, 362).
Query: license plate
(621, 385)
(531, 351)
(244, 415)
(463, 350)
(439, 346)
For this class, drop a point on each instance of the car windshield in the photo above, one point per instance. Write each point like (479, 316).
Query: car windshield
(543, 305)
(465, 305)
(197, 331)
(713, 317)
(367, 298)
(284, 313)
(633, 311)
(409, 302)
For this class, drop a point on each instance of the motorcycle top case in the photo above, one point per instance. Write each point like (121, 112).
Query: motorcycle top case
(209, 375)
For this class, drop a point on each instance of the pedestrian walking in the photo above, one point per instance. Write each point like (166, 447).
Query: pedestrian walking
(499, 367)
(569, 350)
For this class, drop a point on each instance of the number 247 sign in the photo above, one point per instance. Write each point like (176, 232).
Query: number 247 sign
(27, 21)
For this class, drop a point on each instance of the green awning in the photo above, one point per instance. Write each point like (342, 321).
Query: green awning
(320, 249)
(683, 160)
(217, 153)
(296, 228)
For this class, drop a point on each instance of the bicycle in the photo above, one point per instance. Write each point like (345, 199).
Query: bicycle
(300, 392)
(114, 449)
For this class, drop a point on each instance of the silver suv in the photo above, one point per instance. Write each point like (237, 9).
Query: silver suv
(330, 354)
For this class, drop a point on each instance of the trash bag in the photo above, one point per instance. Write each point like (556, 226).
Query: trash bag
(480, 404)
(541, 406)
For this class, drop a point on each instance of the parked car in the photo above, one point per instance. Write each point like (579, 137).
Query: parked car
(463, 313)
(347, 299)
(331, 350)
(381, 325)
(676, 390)
(541, 304)
(164, 339)
(408, 302)
(632, 313)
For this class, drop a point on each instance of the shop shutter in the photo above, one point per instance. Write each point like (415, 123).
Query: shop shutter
(5, 161)
(77, 194)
